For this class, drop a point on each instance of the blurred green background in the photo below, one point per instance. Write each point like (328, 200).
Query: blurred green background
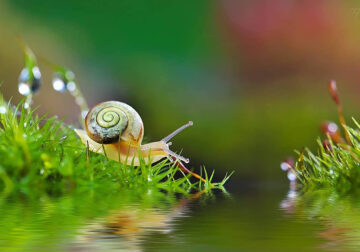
(252, 75)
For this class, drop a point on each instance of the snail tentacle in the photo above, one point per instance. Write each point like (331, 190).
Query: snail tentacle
(173, 154)
(171, 135)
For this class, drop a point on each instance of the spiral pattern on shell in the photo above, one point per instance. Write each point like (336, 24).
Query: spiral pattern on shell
(108, 121)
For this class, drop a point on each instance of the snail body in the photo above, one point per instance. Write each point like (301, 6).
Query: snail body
(115, 129)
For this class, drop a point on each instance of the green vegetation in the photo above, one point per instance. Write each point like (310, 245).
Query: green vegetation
(41, 153)
(44, 153)
(336, 164)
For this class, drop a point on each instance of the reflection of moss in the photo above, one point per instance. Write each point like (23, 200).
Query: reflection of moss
(338, 214)
(34, 221)
(46, 154)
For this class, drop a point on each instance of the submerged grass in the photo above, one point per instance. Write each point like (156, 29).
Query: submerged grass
(46, 154)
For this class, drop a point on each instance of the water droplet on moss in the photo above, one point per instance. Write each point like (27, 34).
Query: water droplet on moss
(291, 176)
(71, 86)
(29, 83)
(59, 84)
(3, 110)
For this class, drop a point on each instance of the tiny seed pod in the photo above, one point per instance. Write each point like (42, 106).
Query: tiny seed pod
(335, 96)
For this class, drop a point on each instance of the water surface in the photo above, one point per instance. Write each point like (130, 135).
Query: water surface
(267, 218)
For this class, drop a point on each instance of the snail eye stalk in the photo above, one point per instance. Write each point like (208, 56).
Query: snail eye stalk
(168, 138)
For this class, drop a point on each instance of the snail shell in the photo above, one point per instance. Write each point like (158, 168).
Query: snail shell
(111, 121)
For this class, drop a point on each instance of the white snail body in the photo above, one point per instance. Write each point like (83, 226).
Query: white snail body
(115, 129)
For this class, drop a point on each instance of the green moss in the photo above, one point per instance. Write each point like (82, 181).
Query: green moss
(45, 153)
(336, 165)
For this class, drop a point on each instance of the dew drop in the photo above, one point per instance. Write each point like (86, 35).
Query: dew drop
(3, 110)
(333, 128)
(27, 84)
(291, 176)
(58, 84)
(27, 105)
(69, 75)
(36, 72)
(284, 166)
(287, 164)
(24, 75)
(24, 89)
(71, 86)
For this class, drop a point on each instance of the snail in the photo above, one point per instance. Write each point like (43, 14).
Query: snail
(116, 130)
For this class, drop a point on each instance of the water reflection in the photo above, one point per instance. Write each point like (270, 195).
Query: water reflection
(289, 202)
(89, 221)
(127, 227)
(145, 220)
(337, 215)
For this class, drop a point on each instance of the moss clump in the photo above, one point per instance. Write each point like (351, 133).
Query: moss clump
(44, 153)
(336, 163)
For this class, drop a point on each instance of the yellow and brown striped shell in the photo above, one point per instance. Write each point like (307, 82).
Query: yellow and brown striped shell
(107, 122)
